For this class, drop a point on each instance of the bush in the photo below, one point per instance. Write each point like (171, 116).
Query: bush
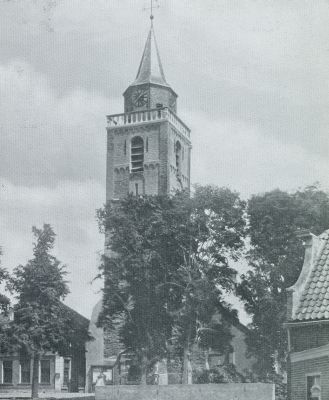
(219, 374)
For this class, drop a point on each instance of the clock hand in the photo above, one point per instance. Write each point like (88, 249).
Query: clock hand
(141, 95)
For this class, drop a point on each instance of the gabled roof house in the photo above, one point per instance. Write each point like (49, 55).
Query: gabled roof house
(308, 323)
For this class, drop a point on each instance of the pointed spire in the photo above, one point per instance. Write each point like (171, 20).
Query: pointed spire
(150, 69)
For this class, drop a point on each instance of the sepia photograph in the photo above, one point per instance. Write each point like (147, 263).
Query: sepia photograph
(164, 199)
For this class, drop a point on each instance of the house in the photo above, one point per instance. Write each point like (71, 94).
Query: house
(308, 323)
(56, 372)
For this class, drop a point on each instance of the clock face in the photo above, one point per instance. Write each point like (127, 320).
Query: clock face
(140, 98)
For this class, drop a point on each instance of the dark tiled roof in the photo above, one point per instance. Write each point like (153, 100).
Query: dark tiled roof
(314, 302)
(150, 69)
(77, 319)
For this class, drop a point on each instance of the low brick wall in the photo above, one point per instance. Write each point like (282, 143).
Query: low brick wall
(234, 391)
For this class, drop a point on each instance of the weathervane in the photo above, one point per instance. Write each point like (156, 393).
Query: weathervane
(152, 8)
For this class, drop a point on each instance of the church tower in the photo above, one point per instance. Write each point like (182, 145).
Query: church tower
(148, 146)
(148, 152)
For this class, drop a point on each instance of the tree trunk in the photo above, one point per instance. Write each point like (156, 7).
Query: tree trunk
(227, 357)
(143, 369)
(187, 369)
(35, 376)
(185, 366)
(206, 354)
(187, 373)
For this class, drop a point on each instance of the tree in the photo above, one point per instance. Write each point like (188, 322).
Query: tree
(201, 299)
(143, 255)
(215, 237)
(275, 260)
(4, 301)
(168, 258)
(40, 321)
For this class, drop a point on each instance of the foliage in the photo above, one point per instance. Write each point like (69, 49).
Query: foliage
(144, 253)
(217, 230)
(41, 322)
(167, 267)
(281, 391)
(39, 286)
(275, 260)
(4, 300)
(226, 373)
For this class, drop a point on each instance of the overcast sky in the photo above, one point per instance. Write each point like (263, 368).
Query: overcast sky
(253, 83)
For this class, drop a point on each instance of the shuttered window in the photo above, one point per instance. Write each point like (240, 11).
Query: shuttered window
(137, 154)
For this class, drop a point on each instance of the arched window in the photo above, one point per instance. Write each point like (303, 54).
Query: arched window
(137, 154)
(178, 152)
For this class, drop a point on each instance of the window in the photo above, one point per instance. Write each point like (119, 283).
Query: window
(313, 387)
(137, 154)
(25, 371)
(67, 371)
(103, 374)
(7, 371)
(45, 371)
(136, 189)
(125, 147)
(147, 145)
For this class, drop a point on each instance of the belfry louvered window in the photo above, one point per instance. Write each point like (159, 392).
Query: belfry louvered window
(137, 154)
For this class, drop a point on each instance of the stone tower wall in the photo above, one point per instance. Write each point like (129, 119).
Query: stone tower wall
(159, 175)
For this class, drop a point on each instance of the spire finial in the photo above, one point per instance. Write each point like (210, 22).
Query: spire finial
(151, 16)
(151, 8)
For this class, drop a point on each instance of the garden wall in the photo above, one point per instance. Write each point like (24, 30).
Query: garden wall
(227, 391)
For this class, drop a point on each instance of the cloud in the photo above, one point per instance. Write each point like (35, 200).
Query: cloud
(264, 62)
(241, 156)
(46, 138)
(252, 78)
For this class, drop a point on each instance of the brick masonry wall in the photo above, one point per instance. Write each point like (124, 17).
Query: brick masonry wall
(308, 337)
(162, 96)
(160, 173)
(299, 371)
(163, 157)
(174, 136)
(237, 391)
(154, 179)
(112, 344)
(110, 164)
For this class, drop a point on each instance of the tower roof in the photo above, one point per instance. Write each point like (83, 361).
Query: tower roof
(150, 69)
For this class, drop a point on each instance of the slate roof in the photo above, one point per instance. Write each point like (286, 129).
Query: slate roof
(150, 69)
(314, 301)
